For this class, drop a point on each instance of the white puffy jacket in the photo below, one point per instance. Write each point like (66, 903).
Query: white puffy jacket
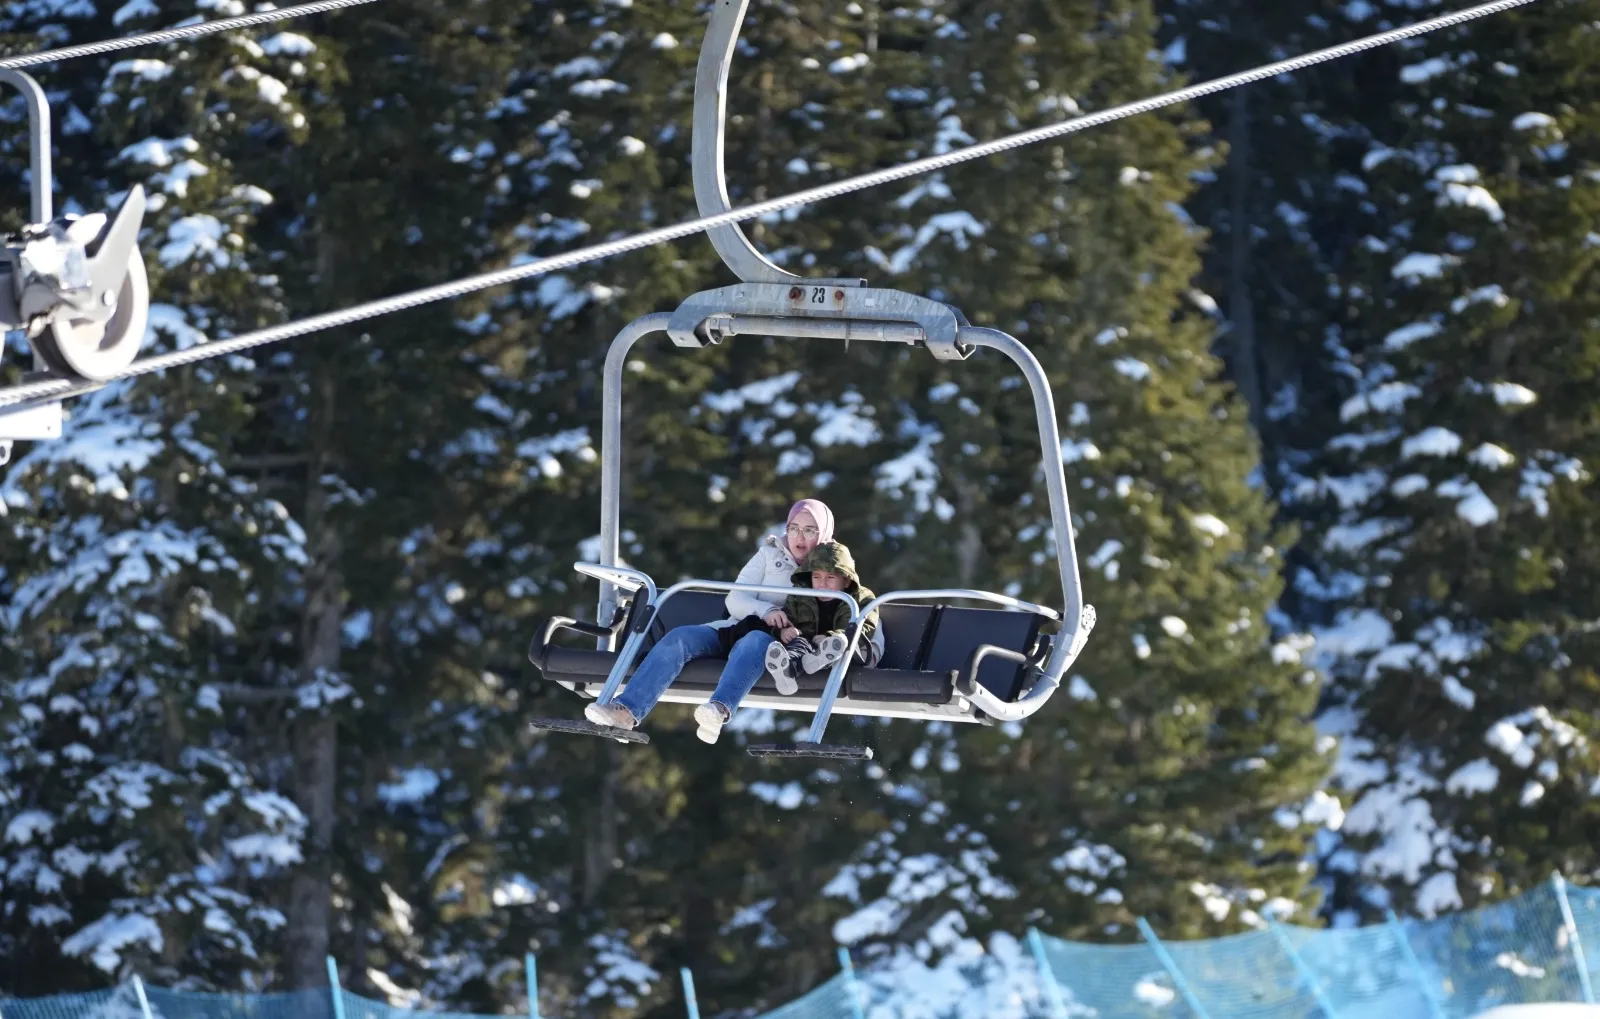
(772, 565)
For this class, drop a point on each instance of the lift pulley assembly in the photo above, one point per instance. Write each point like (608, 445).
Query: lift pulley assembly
(75, 286)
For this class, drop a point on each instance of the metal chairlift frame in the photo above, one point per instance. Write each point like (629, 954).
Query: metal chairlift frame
(85, 315)
(770, 301)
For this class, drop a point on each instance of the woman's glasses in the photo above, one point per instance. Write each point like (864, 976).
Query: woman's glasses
(795, 530)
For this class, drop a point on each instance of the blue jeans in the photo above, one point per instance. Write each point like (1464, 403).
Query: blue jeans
(682, 645)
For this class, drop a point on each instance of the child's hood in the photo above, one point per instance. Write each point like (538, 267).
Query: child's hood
(830, 557)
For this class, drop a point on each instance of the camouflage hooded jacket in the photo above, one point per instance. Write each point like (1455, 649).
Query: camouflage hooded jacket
(815, 616)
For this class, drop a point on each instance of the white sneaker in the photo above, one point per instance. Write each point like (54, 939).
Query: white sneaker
(781, 667)
(829, 650)
(614, 715)
(712, 717)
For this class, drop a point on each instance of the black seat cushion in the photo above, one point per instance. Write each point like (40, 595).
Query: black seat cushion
(903, 685)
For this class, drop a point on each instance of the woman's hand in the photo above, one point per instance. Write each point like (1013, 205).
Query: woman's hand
(777, 618)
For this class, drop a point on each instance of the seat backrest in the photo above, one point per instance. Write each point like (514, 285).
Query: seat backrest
(904, 627)
(961, 630)
(687, 608)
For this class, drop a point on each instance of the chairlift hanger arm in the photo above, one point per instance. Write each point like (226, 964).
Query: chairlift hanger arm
(708, 147)
(611, 448)
(1077, 615)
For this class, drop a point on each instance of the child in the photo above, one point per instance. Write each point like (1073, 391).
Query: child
(814, 636)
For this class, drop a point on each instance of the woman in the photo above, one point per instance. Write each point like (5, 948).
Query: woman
(810, 523)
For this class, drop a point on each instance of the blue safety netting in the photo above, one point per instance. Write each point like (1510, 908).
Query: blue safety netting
(165, 1004)
(1585, 904)
(1249, 976)
(1523, 951)
(1118, 981)
(1506, 954)
(1366, 971)
(118, 1003)
(357, 1007)
(835, 999)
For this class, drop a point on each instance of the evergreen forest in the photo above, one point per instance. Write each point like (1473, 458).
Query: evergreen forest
(1321, 350)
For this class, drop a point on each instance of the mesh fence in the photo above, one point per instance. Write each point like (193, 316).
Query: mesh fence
(1366, 972)
(836, 999)
(357, 1007)
(120, 1003)
(1522, 951)
(1114, 981)
(1506, 954)
(1249, 976)
(165, 1004)
(1543, 946)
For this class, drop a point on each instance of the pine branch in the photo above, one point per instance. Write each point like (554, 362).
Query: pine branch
(267, 461)
(247, 694)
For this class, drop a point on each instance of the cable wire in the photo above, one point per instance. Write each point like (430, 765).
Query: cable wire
(62, 388)
(176, 34)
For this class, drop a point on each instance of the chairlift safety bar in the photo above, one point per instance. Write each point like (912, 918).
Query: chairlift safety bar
(630, 648)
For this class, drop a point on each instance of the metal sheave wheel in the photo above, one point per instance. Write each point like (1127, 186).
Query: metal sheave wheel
(99, 351)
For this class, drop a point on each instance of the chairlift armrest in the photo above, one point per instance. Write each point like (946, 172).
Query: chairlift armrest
(591, 629)
(621, 576)
(546, 632)
(967, 679)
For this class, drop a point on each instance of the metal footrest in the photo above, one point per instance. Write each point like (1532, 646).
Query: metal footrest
(583, 727)
(827, 751)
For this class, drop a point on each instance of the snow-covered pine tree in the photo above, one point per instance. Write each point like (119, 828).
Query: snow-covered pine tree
(1281, 212)
(1176, 776)
(1285, 215)
(136, 834)
(1458, 560)
(389, 446)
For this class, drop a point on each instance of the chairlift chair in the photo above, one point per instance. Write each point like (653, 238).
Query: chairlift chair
(943, 660)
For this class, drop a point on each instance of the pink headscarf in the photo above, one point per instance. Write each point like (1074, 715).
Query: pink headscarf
(819, 512)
